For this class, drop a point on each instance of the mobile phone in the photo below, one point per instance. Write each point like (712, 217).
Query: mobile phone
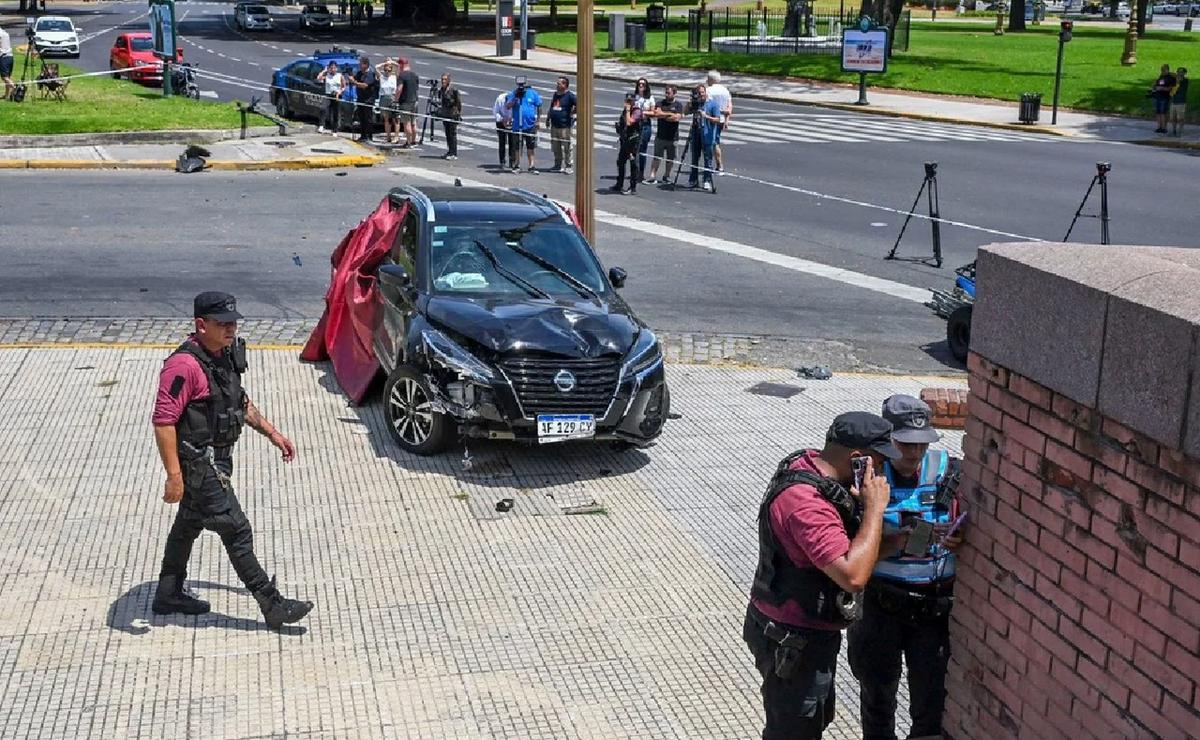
(953, 527)
(919, 539)
(859, 465)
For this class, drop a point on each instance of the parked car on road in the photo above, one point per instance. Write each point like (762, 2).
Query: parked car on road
(296, 93)
(134, 52)
(55, 35)
(496, 320)
(315, 17)
(252, 17)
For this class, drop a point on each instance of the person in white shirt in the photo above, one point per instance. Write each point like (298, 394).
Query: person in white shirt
(335, 83)
(644, 100)
(6, 63)
(387, 100)
(720, 94)
(503, 115)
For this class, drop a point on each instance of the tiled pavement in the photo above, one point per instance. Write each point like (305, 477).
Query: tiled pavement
(436, 616)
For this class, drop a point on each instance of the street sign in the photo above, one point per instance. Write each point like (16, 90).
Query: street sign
(162, 28)
(864, 51)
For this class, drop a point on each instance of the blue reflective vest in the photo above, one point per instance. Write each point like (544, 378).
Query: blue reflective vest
(939, 565)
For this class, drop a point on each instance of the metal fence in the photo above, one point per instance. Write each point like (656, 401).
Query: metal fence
(767, 32)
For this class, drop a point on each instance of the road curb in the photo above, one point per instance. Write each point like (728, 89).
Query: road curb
(182, 137)
(308, 163)
(769, 98)
(1170, 144)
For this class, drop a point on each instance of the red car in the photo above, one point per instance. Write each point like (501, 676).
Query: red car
(132, 50)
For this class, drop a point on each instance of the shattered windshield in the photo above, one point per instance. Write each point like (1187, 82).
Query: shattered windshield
(487, 258)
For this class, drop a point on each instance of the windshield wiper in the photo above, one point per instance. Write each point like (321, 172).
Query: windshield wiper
(549, 266)
(512, 277)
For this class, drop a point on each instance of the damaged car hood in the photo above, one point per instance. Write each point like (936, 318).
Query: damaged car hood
(574, 329)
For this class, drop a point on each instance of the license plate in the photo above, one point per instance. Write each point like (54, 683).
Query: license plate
(561, 427)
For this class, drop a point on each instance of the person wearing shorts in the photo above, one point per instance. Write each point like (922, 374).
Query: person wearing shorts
(1161, 93)
(1179, 101)
(387, 100)
(406, 100)
(669, 112)
(6, 63)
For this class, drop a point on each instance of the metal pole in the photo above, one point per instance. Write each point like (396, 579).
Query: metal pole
(666, 24)
(585, 139)
(1103, 175)
(748, 15)
(862, 89)
(524, 29)
(1057, 81)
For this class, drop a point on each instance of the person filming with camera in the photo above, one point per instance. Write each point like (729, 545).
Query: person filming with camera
(706, 116)
(820, 528)
(450, 111)
(629, 135)
(526, 106)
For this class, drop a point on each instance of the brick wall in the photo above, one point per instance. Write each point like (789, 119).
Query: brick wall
(1078, 611)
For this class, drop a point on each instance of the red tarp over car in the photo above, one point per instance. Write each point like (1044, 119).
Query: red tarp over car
(344, 332)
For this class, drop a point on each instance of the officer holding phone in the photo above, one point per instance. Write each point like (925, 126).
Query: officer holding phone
(906, 610)
(817, 544)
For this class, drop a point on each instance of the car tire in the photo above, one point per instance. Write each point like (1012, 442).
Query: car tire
(958, 332)
(281, 105)
(411, 420)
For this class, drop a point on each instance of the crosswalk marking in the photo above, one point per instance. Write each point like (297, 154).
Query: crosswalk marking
(825, 129)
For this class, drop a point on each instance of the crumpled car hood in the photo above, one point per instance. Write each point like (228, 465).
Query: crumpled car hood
(567, 328)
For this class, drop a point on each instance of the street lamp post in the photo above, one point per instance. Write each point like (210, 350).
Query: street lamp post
(585, 139)
(1129, 56)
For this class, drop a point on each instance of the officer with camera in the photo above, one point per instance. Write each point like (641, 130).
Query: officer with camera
(199, 413)
(819, 533)
(906, 609)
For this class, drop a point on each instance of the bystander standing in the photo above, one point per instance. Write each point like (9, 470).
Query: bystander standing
(1161, 94)
(366, 87)
(450, 111)
(720, 94)
(644, 99)
(6, 63)
(407, 97)
(503, 115)
(387, 100)
(1179, 101)
(669, 112)
(559, 119)
(706, 116)
(629, 134)
(334, 85)
(526, 106)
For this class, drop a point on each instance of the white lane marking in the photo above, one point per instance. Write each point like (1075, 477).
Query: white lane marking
(716, 244)
(208, 94)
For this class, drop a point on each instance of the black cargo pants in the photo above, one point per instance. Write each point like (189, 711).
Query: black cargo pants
(207, 504)
(893, 627)
(801, 706)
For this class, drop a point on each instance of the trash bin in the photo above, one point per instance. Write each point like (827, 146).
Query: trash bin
(1031, 107)
(635, 36)
(655, 16)
(531, 38)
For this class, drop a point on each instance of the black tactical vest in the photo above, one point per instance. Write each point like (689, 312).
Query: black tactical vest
(777, 579)
(218, 419)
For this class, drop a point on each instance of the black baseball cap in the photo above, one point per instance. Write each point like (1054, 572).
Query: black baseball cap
(911, 420)
(216, 306)
(859, 430)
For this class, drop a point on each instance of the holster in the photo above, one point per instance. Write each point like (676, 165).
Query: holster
(925, 602)
(789, 646)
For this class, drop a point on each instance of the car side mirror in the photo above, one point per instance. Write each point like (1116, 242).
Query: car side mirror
(396, 277)
(617, 276)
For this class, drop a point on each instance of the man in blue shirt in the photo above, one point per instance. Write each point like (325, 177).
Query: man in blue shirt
(526, 106)
(706, 116)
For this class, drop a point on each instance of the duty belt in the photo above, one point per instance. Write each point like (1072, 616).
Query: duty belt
(209, 455)
(933, 600)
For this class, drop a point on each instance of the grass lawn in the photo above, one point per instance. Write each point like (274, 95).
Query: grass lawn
(104, 104)
(964, 59)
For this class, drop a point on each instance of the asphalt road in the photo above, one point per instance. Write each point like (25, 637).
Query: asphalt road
(803, 183)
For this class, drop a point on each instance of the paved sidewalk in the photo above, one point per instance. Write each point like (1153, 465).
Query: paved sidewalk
(436, 617)
(949, 109)
(297, 151)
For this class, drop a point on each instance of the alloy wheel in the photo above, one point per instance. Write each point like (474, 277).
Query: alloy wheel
(410, 411)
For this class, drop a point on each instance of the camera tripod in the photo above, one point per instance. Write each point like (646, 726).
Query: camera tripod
(694, 131)
(21, 88)
(929, 187)
(1101, 176)
(427, 122)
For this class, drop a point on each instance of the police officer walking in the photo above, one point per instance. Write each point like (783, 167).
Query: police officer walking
(817, 545)
(906, 609)
(198, 415)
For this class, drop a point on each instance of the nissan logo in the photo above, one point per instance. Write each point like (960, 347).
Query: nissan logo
(564, 381)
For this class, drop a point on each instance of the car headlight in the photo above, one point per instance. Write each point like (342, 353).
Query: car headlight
(443, 350)
(645, 353)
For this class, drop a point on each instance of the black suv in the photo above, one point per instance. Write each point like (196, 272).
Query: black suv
(497, 321)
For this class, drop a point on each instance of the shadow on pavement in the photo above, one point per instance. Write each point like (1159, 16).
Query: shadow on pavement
(131, 614)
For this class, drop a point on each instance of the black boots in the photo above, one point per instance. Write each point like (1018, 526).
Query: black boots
(279, 611)
(170, 598)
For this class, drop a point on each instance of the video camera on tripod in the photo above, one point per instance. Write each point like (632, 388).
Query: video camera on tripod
(19, 89)
(433, 104)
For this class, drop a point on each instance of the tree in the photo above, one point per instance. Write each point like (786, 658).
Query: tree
(412, 12)
(1141, 17)
(1016, 15)
(886, 13)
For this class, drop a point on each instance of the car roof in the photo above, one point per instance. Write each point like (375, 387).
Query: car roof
(138, 34)
(54, 18)
(472, 202)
